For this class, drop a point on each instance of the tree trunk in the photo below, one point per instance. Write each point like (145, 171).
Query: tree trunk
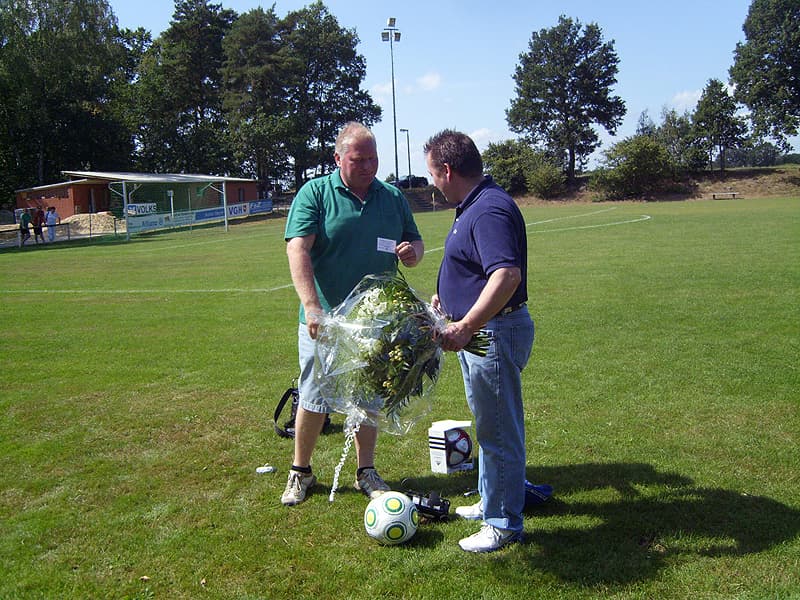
(571, 166)
(40, 164)
(298, 177)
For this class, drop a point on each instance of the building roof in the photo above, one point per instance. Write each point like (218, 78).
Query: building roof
(54, 185)
(150, 177)
(95, 177)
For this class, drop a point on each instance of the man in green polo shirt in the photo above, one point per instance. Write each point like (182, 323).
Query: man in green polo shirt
(341, 227)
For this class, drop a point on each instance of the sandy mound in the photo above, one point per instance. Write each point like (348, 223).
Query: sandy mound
(95, 223)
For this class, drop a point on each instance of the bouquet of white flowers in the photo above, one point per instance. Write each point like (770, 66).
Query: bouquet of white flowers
(378, 353)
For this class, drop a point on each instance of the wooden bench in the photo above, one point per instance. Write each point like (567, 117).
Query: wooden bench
(716, 195)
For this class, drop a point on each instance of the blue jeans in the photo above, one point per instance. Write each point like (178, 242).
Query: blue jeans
(493, 386)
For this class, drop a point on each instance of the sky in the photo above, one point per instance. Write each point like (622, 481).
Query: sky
(455, 61)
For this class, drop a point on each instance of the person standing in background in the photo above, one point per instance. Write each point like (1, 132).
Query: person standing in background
(24, 226)
(52, 219)
(38, 222)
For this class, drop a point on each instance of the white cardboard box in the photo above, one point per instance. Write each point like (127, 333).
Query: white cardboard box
(436, 442)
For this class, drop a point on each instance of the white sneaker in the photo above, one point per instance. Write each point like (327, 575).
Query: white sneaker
(489, 539)
(473, 512)
(371, 483)
(297, 486)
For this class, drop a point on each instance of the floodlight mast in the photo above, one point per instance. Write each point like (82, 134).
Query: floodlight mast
(391, 34)
(408, 149)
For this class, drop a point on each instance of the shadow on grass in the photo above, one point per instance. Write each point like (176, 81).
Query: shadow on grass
(618, 523)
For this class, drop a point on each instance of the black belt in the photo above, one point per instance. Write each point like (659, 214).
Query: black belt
(509, 309)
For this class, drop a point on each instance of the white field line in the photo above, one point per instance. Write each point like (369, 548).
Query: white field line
(190, 244)
(587, 214)
(289, 285)
(636, 220)
(154, 291)
(160, 249)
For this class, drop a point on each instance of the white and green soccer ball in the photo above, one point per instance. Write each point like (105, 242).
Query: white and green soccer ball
(391, 518)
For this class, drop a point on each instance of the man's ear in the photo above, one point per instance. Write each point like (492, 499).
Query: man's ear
(448, 172)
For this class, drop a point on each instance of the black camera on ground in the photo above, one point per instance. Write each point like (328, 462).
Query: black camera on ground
(432, 506)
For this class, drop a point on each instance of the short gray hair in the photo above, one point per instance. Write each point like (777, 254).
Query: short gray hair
(350, 132)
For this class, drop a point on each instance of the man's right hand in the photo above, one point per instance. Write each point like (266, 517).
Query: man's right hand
(313, 318)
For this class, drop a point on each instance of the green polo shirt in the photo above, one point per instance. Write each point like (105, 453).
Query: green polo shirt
(352, 239)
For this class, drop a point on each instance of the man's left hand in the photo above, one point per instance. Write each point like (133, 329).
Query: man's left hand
(456, 336)
(407, 254)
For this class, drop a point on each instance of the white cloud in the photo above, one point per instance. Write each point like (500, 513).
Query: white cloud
(429, 81)
(483, 137)
(686, 100)
(381, 90)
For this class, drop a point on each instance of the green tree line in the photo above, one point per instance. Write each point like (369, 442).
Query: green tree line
(251, 95)
(564, 91)
(263, 96)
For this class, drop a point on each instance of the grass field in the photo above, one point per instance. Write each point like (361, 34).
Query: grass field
(662, 404)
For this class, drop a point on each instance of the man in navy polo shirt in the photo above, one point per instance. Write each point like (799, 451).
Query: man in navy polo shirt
(341, 227)
(482, 285)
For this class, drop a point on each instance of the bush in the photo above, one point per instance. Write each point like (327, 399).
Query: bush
(545, 179)
(519, 169)
(635, 167)
(506, 163)
(695, 159)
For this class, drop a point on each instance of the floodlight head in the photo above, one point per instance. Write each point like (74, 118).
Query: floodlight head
(396, 36)
(390, 22)
(385, 36)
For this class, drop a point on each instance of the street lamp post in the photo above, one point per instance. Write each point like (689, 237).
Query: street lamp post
(408, 147)
(391, 34)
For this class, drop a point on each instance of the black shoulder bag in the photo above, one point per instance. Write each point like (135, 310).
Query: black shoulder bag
(287, 431)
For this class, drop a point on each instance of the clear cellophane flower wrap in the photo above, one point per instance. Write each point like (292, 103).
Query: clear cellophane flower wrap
(378, 356)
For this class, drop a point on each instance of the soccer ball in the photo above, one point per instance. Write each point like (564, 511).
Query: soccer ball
(457, 446)
(391, 518)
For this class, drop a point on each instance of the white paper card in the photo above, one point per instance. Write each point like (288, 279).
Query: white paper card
(385, 245)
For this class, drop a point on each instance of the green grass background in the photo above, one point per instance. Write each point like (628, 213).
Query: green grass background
(139, 380)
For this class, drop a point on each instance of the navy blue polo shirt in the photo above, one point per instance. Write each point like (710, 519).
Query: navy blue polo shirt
(488, 234)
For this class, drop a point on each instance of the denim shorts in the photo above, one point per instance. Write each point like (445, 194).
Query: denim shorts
(310, 394)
